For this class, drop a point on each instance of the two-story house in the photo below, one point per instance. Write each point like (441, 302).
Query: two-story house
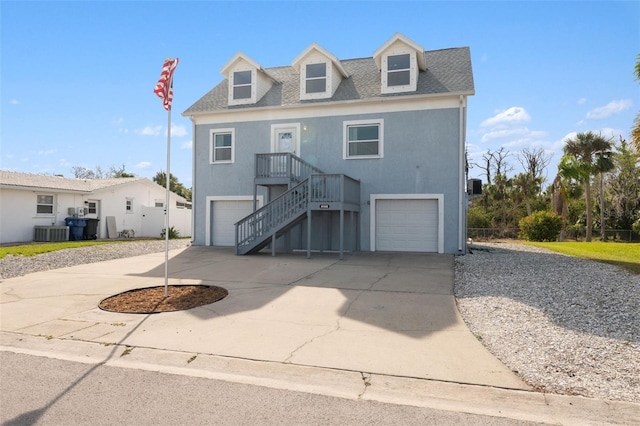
(335, 154)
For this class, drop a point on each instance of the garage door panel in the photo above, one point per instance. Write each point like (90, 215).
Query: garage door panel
(407, 225)
(225, 213)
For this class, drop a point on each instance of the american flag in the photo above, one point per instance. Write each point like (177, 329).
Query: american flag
(164, 87)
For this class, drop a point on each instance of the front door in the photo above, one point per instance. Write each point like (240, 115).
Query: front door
(285, 138)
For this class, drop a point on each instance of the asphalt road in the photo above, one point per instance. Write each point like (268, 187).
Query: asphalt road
(46, 391)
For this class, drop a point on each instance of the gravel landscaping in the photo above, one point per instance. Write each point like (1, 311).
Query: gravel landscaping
(564, 324)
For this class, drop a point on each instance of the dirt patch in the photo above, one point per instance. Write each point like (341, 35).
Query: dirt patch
(151, 299)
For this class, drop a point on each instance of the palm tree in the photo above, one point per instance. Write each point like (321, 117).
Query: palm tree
(564, 189)
(529, 187)
(588, 150)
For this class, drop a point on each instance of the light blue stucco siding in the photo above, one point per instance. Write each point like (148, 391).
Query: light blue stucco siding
(421, 156)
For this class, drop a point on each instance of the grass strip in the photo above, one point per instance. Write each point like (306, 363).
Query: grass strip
(33, 249)
(625, 255)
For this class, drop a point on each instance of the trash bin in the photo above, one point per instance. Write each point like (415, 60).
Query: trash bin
(76, 227)
(91, 230)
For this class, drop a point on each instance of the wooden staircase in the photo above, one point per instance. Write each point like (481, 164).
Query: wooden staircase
(309, 189)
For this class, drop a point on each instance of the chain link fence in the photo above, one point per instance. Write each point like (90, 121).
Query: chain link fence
(571, 234)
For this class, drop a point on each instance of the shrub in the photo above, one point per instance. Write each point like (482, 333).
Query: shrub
(636, 226)
(540, 226)
(173, 233)
(477, 218)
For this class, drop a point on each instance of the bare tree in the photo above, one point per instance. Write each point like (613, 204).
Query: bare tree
(500, 165)
(534, 161)
(494, 163)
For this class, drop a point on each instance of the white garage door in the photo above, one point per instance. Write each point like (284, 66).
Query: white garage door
(407, 225)
(224, 214)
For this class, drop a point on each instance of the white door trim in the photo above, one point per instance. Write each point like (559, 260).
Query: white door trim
(274, 141)
(210, 198)
(372, 211)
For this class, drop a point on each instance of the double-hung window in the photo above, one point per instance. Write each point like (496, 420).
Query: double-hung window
(222, 146)
(399, 70)
(44, 204)
(316, 78)
(242, 85)
(128, 207)
(363, 139)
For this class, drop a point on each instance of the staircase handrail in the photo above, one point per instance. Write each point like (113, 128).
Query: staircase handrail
(270, 216)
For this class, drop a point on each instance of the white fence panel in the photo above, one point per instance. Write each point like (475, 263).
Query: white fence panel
(153, 221)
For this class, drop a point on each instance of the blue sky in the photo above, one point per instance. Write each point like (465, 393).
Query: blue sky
(77, 77)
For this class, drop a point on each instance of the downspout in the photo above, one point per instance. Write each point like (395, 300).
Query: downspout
(461, 207)
(193, 179)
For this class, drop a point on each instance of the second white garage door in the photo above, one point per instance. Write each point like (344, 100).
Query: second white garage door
(406, 225)
(224, 214)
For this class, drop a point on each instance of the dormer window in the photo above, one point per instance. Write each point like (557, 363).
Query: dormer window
(248, 81)
(399, 70)
(400, 61)
(242, 85)
(320, 73)
(316, 78)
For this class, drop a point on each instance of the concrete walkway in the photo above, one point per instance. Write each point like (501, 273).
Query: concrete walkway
(384, 319)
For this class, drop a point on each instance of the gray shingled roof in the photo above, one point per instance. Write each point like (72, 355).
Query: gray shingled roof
(448, 71)
(29, 180)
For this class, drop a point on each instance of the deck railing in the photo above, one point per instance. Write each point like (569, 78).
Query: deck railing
(283, 165)
(333, 188)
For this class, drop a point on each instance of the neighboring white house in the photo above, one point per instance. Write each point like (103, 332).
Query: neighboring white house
(137, 204)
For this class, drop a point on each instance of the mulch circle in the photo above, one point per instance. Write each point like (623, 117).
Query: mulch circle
(151, 300)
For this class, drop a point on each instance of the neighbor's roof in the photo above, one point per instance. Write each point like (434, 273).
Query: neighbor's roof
(28, 180)
(448, 71)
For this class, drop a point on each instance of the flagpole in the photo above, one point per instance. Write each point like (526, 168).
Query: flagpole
(167, 207)
(164, 90)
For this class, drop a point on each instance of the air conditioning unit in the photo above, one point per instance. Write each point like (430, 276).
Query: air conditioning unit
(51, 233)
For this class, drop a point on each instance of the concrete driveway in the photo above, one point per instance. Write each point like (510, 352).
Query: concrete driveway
(376, 313)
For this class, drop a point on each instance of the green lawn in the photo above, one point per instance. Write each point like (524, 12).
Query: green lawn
(625, 255)
(37, 248)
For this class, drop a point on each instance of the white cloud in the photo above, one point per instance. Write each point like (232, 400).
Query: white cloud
(186, 145)
(178, 131)
(142, 165)
(14, 102)
(47, 152)
(501, 133)
(509, 116)
(64, 163)
(484, 57)
(149, 131)
(582, 101)
(610, 109)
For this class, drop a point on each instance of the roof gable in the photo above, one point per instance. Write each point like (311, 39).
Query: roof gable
(240, 58)
(30, 181)
(396, 40)
(315, 47)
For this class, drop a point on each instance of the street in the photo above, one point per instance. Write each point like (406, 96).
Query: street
(39, 390)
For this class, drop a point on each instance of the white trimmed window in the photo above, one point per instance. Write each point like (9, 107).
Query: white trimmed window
(242, 82)
(316, 78)
(128, 208)
(44, 204)
(399, 73)
(222, 146)
(363, 139)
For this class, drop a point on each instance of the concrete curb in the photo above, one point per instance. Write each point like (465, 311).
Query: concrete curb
(484, 400)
